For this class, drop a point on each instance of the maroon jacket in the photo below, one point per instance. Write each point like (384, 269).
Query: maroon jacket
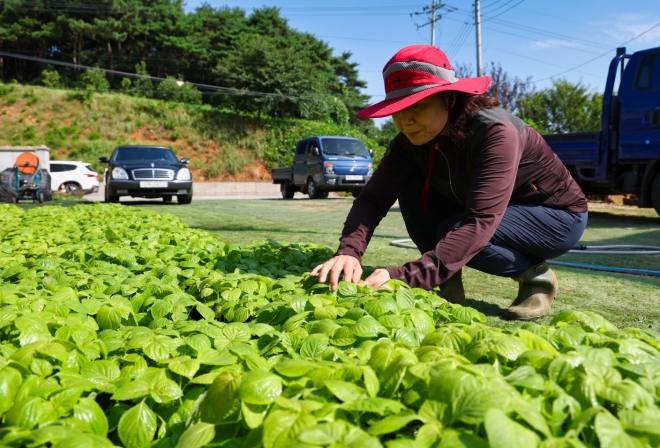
(497, 166)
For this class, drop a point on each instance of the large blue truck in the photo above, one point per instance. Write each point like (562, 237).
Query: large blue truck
(623, 157)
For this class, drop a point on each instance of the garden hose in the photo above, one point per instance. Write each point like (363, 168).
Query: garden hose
(619, 249)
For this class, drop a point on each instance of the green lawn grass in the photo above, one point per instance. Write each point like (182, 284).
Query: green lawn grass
(626, 300)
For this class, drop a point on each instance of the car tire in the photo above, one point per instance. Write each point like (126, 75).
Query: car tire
(167, 198)
(655, 193)
(110, 198)
(287, 190)
(356, 192)
(72, 188)
(312, 190)
(184, 198)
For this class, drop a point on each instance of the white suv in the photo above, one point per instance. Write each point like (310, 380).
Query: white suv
(73, 177)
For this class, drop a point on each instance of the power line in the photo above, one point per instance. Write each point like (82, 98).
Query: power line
(541, 61)
(547, 33)
(485, 8)
(490, 5)
(462, 35)
(222, 90)
(530, 30)
(598, 57)
(503, 12)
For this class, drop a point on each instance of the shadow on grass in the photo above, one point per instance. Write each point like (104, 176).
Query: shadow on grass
(489, 309)
(230, 228)
(606, 220)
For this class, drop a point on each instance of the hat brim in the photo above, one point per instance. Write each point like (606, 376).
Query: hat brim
(475, 86)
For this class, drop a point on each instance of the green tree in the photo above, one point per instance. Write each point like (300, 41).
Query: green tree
(173, 89)
(274, 79)
(95, 80)
(387, 133)
(299, 73)
(564, 107)
(50, 78)
(143, 86)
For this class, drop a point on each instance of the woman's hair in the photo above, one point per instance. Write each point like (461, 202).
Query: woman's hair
(462, 112)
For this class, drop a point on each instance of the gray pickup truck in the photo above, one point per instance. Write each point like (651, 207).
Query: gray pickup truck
(326, 163)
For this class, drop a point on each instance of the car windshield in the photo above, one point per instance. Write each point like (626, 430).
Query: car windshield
(144, 155)
(344, 147)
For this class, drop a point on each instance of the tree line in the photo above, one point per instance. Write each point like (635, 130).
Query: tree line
(264, 66)
(268, 67)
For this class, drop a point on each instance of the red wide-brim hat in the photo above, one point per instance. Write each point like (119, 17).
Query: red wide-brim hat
(417, 72)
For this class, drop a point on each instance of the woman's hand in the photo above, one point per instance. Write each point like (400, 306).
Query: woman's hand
(377, 279)
(352, 270)
(341, 264)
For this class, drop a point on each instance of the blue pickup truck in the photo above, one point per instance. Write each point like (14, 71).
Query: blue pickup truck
(623, 157)
(326, 163)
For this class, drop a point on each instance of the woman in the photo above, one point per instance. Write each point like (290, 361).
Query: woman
(476, 186)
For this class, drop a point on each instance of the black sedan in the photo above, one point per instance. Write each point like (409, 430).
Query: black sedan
(146, 172)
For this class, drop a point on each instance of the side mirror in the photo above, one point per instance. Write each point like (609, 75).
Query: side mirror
(184, 161)
(315, 151)
(104, 160)
(371, 152)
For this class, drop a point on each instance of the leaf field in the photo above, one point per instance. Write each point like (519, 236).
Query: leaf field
(624, 300)
(120, 326)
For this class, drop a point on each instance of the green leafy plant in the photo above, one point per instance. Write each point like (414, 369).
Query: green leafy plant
(29, 133)
(173, 89)
(122, 326)
(50, 78)
(4, 90)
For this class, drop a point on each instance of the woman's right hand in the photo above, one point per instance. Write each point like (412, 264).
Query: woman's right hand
(341, 264)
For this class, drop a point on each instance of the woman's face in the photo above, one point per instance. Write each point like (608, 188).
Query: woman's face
(423, 121)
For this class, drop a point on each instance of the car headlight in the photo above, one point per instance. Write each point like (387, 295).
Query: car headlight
(119, 173)
(328, 168)
(371, 169)
(183, 174)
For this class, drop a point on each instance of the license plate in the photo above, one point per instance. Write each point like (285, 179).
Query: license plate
(153, 184)
(351, 177)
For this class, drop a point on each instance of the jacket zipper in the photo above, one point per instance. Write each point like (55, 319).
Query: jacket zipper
(449, 176)
(543, 192)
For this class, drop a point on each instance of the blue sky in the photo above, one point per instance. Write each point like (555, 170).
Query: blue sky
(571, 39)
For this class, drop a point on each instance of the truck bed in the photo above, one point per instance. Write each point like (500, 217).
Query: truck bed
(280, 175)
(578, 148)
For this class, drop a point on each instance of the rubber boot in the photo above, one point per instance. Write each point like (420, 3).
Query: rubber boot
(452, 289)
(538, 288)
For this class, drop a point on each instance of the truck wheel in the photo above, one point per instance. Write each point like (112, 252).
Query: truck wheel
(287, 190)
(356, 192)
(312, 191)
(655, 193)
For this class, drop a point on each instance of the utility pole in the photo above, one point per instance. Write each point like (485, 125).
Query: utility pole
(431, 10)
(477, 23)
(433, 24)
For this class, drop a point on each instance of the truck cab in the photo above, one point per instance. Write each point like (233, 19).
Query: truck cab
(623, 157)
(639, 98)
(329, 163)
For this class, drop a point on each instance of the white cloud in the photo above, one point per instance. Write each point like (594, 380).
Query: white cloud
(632, 25)
(545, 44)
